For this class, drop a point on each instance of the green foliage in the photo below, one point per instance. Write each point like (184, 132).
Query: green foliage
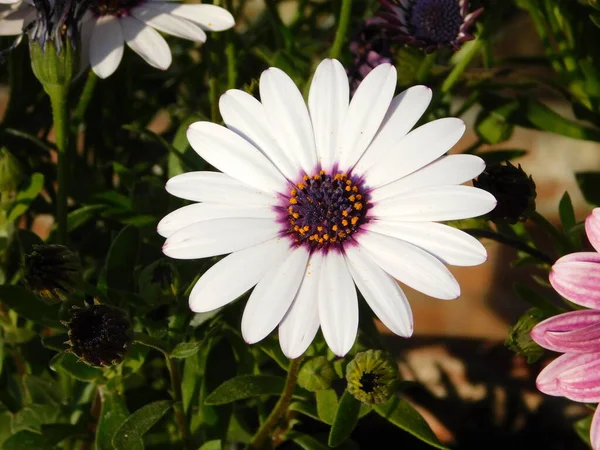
(245, 386)
(130, 433)
(346, 418)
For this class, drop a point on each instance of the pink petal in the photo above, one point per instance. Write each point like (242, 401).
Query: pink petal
(581, 382)
(595, 430)
(547, 380)
(592, 228)
(577, 278)
(586, 340)
(555, 333)
(568, 321)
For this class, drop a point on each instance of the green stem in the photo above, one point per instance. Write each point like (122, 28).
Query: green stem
(231, 65)
(213, 86)
(506, 240)
(561, 239)
(258, 441)
(342, 30)
(58, 99)
(462, 65)
(86, 96)
(425, 68)
(182, 421)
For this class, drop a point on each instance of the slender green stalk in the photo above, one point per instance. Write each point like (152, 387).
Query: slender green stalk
(264, 432)
(58, 99)
(506, 240)
(342, 30)
(425, 68)
(86, 96)
(182, 421)
(213, 95)
(462, 65)
(231, 65)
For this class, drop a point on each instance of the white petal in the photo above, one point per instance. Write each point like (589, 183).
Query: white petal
(411, 265)
(381, 292)
(404, 112)
(217, 187)
(209, 17)
(447, 170)
(175, 26)
(146, 42)
(234, 156)
(365, 114)
(288, 118)
(417, 149)
(301, 323)
(235, 274)
(246, 116)
(219, 236)
(435, 204)
(106, 46)
(272, 296)
(328, 104)
(12, 24)
(449, 245)
(338, 304)
(199, 212)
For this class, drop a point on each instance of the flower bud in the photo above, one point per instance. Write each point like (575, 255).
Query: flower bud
(372, 377)
(514, 190)
(52, 272)
(316, 374)
(51, 66)
(370, 49)
(519, 339)
(10, 171)
(99, 335)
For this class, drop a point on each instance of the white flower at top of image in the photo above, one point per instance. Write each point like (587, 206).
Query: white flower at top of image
(14, 16)
(135, 22)
(311, 201)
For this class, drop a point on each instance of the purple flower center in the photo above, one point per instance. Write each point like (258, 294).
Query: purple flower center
(117, 8)
(324, 210)
(436, 21)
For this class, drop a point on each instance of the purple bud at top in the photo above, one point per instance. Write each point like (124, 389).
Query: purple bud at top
(370, 49)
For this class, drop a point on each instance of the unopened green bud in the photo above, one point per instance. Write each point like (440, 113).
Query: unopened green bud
(10, 171)
(53, 67)
(372, 376)
(52, 272)
(514, 190)
(519, 339)
(316, 374)
(99, 335)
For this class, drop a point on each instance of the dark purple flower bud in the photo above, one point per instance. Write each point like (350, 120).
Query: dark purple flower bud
(370, 49)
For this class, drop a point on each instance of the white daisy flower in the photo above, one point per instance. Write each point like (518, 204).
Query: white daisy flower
(14, 16)
(115, 22)
(313, 201)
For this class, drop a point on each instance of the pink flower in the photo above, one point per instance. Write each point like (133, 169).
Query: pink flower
(576, 374)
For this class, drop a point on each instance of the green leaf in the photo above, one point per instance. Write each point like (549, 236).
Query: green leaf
(121, 260)
(26, 196)
(566, 212)
(151, 342)
(589, 183)
(316, 374)
(113, 414)
(346, 418)
(56, 342)
(536, 299)
(182, 157)
(582, 428)
(307, 442)
(493, 126)
(402, 414)
(70, 364)
(327, 405)
(25, 440)
(82, 215)
(29, 306)
(245, 386)
(542, 117)
(129, 435)
(212, 445)
(186, 349)
(498, 156)
(308, 409)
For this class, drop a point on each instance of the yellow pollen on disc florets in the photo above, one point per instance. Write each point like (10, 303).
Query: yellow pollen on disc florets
(325, 209)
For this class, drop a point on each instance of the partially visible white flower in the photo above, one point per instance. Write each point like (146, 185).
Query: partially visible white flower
(115, 23)
(313, 201)
(14, 16)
